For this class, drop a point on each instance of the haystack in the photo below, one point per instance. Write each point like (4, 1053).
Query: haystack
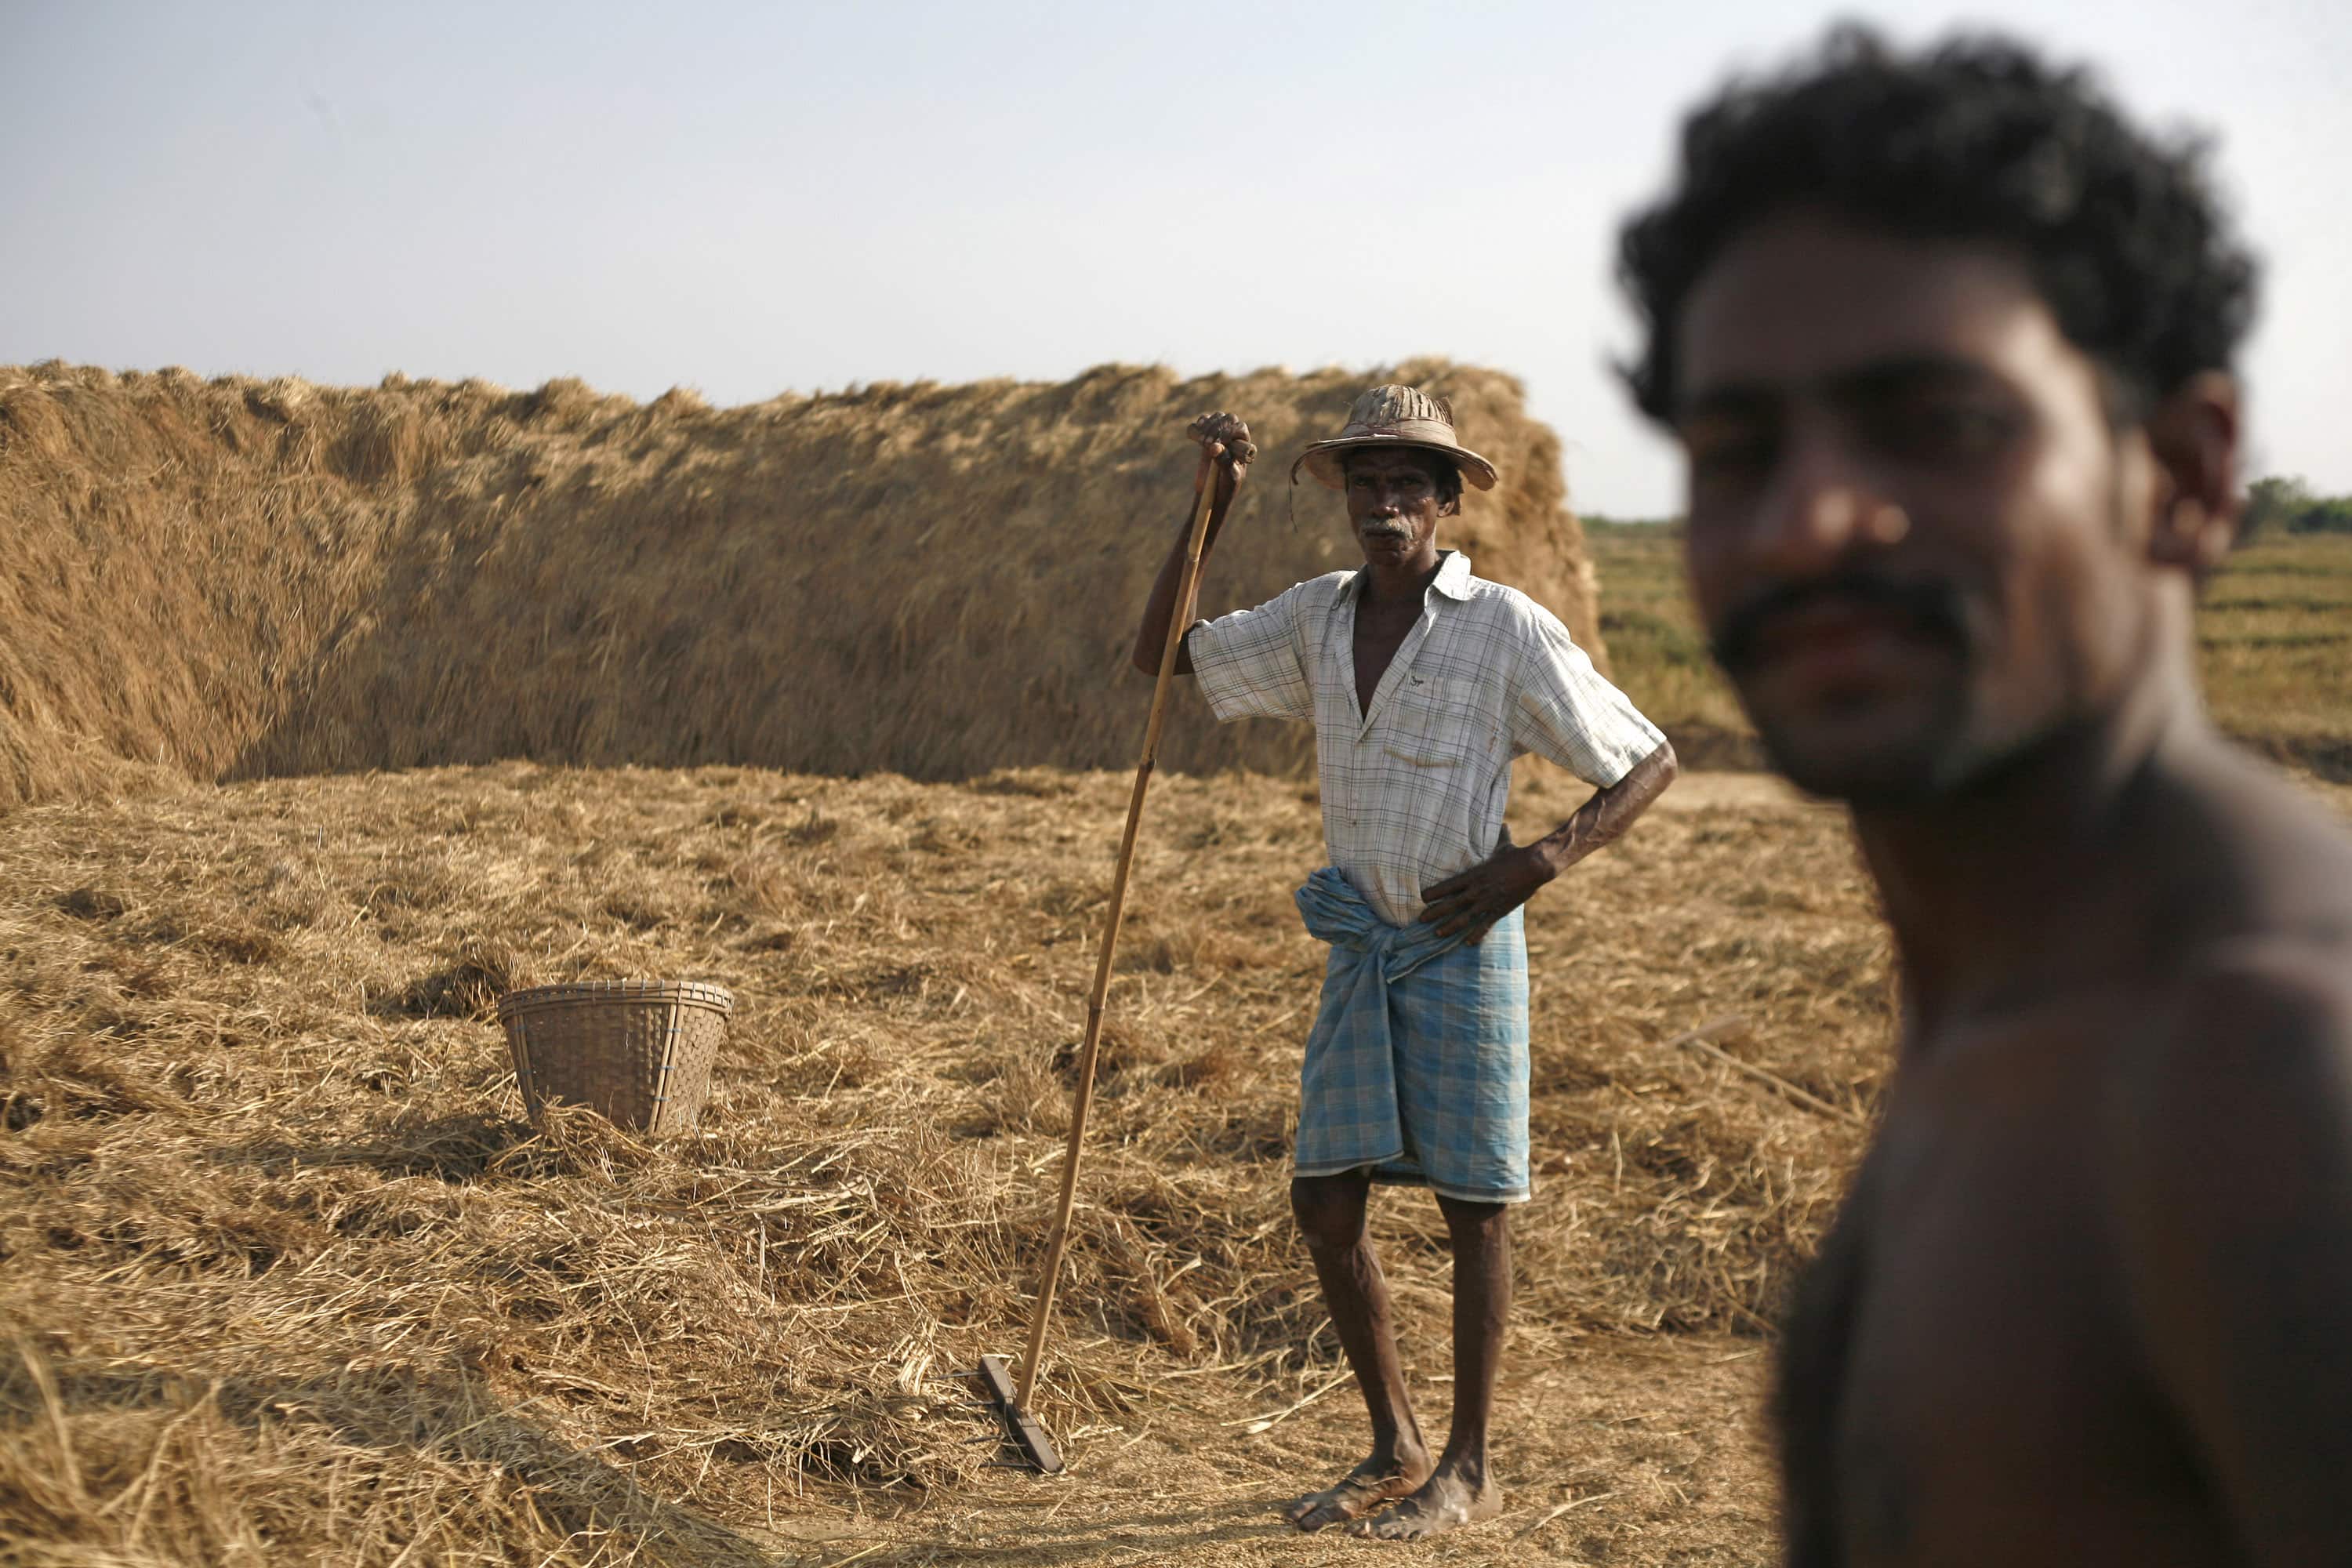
(237, 578)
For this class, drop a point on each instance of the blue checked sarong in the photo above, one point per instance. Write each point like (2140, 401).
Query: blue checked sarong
(1417, 1066)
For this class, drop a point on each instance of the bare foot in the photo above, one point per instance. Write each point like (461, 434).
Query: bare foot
(1375, 1481)
(1444, 1501)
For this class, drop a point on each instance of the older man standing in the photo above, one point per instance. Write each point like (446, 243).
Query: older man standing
(1422, 683)
(1947, 342)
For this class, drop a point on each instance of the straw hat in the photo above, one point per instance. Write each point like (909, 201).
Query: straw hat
(1395, 416)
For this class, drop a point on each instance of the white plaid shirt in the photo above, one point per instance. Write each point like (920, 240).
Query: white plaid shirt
(1415, 788)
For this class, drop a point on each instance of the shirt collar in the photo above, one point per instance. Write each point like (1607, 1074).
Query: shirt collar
(1452, 578)
(1454, 575)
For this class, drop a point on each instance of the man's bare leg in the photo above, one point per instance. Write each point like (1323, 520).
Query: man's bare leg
(1460, 1489)
(1331, 1215)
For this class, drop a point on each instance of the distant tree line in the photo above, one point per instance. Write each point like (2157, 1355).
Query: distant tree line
(2286, 505)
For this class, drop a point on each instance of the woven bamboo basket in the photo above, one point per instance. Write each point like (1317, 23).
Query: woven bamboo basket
(638, 1051)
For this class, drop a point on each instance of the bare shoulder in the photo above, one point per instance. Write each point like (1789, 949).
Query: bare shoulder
(2240, 1092)
(2232, 1189)
(2278, 995)
(2274, 852)
(2230, 1087)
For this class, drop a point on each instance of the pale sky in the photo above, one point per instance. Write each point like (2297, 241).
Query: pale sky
(753, 198)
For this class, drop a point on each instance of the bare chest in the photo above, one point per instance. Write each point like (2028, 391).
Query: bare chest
(1379, 632)
(1992, 1391)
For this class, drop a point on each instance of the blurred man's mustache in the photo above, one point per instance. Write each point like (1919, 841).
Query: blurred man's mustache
(1930, 608)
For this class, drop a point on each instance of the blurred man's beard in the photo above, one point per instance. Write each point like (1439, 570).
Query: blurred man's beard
(1927, 760)
(1901, 743)
(1998, 707)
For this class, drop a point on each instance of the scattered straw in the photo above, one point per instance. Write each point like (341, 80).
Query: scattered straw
(292, 1267)
(1701, 1040)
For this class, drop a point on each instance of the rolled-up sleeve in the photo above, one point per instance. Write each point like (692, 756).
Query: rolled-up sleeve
(1249, 662)
(1568, 711)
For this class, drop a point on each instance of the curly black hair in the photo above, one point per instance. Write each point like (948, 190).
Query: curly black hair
(1974, 138)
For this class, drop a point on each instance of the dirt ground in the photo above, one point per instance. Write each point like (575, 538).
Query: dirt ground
(1625, 1452)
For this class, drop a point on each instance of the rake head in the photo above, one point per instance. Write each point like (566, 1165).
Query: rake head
(996, 1387)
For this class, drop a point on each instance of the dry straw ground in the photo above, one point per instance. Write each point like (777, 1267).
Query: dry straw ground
(239, 579)
(289, 1278)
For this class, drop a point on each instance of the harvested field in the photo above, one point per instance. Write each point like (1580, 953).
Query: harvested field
(240, 579)
(2274, 641)
(287, 1268)
(287, 1278)
(2274, 647)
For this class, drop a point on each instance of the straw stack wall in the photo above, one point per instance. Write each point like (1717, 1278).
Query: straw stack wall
(237, 578)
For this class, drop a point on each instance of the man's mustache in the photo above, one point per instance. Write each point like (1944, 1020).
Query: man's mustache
(1930, 608)
(1387, 531)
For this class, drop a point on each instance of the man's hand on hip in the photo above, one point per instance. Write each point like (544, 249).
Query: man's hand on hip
(1475, 899)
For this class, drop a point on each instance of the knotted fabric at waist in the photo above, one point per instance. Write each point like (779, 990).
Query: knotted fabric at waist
(1336, 913)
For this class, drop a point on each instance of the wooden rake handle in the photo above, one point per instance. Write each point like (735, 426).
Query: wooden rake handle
(1179, 623)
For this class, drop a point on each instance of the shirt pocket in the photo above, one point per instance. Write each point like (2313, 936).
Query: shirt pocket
(1436, 723)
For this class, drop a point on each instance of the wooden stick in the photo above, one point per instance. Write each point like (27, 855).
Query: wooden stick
(1266, 1423)
(1703, 1038)
(1572, 1502)
(1179, 623)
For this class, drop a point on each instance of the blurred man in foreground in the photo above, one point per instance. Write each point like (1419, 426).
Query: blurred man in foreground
(1947, 345)
(1423, 682)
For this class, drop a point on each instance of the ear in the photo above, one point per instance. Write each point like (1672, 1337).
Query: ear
(2193, 435)
(1450, 507)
